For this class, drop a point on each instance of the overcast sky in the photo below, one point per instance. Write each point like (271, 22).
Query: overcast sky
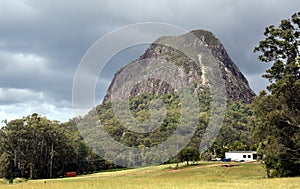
(42, 42)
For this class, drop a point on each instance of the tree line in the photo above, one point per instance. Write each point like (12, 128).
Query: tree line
(277, 111)
(36, 147)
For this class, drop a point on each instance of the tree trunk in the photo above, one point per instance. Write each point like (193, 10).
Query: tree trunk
(51, 160)
(268, 173)
(31, 171)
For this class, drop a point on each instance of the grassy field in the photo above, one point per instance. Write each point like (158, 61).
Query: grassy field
(204, 175)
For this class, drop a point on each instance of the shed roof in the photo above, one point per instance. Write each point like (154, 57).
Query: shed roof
(242, 152)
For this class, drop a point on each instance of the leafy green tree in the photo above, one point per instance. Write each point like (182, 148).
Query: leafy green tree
(277, 123)
(189, 154)
(34, 147)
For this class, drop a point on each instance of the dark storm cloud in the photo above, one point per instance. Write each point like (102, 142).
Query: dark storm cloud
(42, 42)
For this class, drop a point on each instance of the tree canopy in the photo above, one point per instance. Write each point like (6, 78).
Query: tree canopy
(36, 147)
(277, 123)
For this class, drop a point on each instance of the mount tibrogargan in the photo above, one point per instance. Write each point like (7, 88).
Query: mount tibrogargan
(152, 107)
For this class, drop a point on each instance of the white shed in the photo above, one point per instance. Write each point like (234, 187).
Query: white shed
(241, 155)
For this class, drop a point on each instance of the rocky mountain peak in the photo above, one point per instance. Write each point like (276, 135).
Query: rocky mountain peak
(181, 55)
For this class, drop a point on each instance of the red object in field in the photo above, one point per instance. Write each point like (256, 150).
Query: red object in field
(70, 174)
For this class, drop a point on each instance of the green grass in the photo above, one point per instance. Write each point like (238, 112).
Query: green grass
(205, 175)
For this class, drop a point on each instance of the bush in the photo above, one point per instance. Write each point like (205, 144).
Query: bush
(19, 180)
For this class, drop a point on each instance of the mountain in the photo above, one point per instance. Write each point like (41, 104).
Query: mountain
(183, 51)
(184, 95)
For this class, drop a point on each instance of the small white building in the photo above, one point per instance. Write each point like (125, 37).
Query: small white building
(241, 155)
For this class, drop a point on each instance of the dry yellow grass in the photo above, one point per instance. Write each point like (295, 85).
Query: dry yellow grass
(205, 175)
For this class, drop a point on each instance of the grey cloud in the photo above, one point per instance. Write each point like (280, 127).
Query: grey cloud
(10, 96)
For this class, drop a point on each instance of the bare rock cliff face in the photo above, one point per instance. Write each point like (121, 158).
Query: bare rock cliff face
(158, 69)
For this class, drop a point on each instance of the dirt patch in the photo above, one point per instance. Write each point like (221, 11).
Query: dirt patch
(229, 165)
(196, 167)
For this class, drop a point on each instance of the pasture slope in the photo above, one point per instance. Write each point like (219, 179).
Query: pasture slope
(205, 175)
